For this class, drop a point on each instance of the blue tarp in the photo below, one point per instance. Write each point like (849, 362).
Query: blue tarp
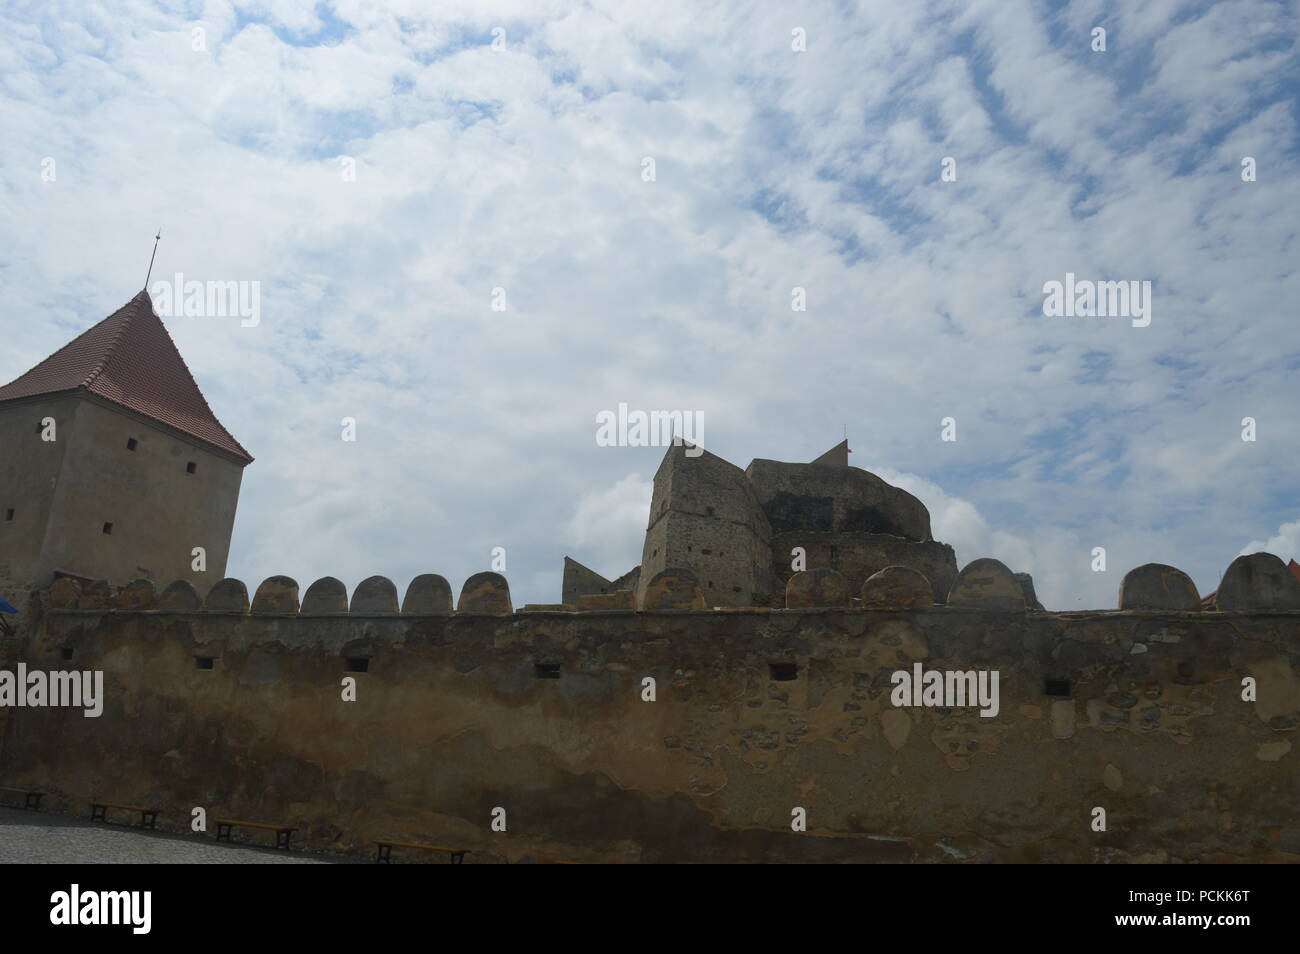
(5, 607)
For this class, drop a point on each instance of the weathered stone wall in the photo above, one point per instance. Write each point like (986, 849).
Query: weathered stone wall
(1139, 713)
(703, 515)
(28, 481)
(860, 555)
(734, 529)
(63, 492)
(821, 498)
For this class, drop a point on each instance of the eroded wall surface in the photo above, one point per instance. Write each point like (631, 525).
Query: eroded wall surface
(857, 556)
(452, 721)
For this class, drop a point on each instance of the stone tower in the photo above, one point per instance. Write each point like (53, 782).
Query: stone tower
(116, 468)
(705, 517)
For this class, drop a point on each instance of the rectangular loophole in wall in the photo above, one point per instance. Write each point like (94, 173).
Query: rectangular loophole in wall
(358, 664)
(546, 670)
(108, 528)
(190, 467)
(783, 671)
(130, 443)
(9, 514)
(66, 652)
(204, 662)
(1056, 687)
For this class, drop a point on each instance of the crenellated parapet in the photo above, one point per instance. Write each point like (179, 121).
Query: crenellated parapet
(1257, 583)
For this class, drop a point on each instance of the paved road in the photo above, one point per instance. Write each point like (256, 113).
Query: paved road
(44, 838)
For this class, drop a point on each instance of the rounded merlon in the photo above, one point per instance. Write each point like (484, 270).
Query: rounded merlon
(98, 594)
(374, 596)
(1158, 586)
(324, 597)
(427, 593)
(987, 584)
(137, 595)
(276, 594)
(1257, 582)
(227, 596)
(485, 592)
(818, 587)
(180, 596)
(674, 588)
(897, 587)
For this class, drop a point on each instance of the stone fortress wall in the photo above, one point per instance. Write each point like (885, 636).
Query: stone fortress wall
(757, 712)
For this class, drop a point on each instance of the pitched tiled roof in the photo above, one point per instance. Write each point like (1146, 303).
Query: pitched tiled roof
(129, 359)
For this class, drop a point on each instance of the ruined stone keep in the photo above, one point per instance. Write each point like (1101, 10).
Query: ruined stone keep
(737, 530)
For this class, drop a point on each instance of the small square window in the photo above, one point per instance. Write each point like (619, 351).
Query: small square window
(40, 428)
(9, 514)
(190, 467)
(1056, 687)
(130, 443)
(783, 671)
(203, 662)
(546, 670)
(358, 664)
(108, 528)
(67, 652)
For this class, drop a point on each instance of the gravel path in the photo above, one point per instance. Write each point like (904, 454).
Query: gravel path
(43, 838)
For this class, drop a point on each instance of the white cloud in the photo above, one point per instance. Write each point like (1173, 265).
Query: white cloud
(1285, 544)
(608, 525)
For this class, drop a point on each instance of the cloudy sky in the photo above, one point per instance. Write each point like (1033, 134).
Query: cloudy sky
(380, 169)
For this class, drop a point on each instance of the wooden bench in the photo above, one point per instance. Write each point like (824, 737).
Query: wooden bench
(148, 816)
(31, 799)
(282, 832)
(386, 849)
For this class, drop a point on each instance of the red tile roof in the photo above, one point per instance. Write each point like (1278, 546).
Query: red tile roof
(130, 359)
